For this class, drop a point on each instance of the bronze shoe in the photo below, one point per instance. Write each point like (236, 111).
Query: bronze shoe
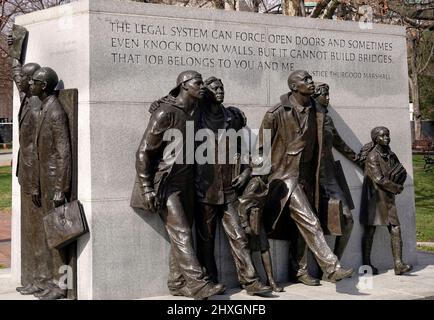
(402, 268)
(52, 295)
(340, 274)
(209, 290)
(31, 290)
(308, 280)
(257, 288)
(182, 291)
(25, 288)
(41, 293)
(276, 288)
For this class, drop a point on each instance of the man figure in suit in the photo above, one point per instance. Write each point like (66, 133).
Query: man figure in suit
(32, 233)
(51, 177)
(296, 127)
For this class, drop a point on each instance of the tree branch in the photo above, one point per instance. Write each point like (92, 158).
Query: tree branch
(428, 60)
(319, 8)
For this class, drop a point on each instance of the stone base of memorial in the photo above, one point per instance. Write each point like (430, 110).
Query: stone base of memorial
(123, 55)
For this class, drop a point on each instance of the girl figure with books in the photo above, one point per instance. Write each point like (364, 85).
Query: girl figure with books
(384, 179)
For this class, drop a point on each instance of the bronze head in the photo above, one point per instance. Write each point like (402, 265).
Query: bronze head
(380, 135)
(191, 81)
(26, 74)
(300, 81)
(216, 89)
(44, 81)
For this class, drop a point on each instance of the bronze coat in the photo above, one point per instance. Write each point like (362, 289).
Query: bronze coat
(27, 116)
(378, 194)
(153, 167)
(332, 180)
(214, 181)
(286, 151)
(53, 150)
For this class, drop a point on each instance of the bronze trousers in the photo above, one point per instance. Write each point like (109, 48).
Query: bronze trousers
(34, 249)
(206, 221)
(184, 267)
(310, 236)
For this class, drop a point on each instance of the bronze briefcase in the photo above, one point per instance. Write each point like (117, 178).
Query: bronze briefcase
(65, 224)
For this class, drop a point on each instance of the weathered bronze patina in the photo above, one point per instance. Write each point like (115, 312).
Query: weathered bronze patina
(335, 198)
(164, 186)
(51, 174)
(216, 190)
(33, 265)
(384, 179)
(296, 125)
(251, 211)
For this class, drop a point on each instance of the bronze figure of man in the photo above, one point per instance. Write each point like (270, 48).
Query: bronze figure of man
(32, 231)
(384, 179)
(216, 190)
(165, 185)
(51, 176)
(336, 202)
(296, 126)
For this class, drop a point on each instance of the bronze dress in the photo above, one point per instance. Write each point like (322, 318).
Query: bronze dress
(380, 187)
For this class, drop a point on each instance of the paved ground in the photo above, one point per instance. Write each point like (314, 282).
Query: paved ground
(5, 158)
(385, 286)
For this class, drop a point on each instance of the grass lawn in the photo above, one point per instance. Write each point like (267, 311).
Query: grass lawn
(5, 187)
(424, 196)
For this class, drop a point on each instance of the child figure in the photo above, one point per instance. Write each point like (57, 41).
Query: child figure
(250, 209)
(384, 178)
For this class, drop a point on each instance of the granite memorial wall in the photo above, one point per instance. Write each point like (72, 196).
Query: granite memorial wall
(122, 55)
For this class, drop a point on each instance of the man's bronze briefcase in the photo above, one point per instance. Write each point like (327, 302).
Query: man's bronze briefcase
(65, 224)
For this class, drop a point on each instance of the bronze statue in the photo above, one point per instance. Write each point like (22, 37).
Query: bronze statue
(165, 186)
(250, 209)
(336, 202)
(33, 266)
(216, 192)
(51, 174)
(296, 126)
(384, 178)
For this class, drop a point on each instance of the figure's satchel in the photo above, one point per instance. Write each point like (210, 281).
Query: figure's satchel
(65, 224)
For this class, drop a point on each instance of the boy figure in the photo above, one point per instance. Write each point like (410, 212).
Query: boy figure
(216, 192)
(164, 185)
(250, 209)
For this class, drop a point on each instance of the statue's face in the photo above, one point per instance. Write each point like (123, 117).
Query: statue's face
(36, 86)
(195, 87)
(383, 137)
(303, 84)
(324, 98)
(24, 82)
(218, 91)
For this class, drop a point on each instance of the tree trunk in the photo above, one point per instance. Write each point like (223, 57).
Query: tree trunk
(219, 4)
(415, 90)
(290, 7)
